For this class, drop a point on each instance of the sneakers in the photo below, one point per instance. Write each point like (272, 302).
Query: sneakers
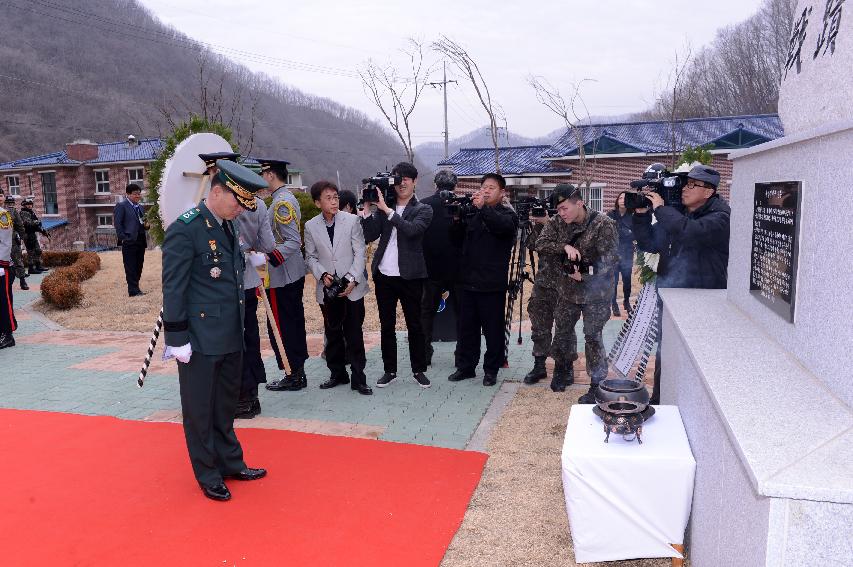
(421, 379)
(538, 371)
(386, 379)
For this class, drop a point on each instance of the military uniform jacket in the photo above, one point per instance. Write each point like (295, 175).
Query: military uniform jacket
(596, 238)
(203, 284)
(6, 235)
(285, 219)
(255, 234)
(549, 271)
(32, 224)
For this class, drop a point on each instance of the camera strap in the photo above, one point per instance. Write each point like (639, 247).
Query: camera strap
(575, 238)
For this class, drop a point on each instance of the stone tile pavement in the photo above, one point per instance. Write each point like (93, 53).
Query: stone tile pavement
(95, 373)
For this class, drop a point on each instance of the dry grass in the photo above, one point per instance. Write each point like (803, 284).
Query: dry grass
(517, 516)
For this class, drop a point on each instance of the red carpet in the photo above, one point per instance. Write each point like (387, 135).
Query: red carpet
(81, 490)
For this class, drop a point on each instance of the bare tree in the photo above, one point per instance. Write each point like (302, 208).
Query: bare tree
(468, 67)
(396, 94)
(550, 96)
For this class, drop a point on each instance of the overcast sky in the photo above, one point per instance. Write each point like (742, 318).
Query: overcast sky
(627, 47)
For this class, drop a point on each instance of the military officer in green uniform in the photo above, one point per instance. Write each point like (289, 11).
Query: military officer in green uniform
(203, 310)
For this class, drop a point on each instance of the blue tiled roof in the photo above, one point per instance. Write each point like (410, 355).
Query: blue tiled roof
(144, 150)
(515, 160)
(654, 136)
(56, 158)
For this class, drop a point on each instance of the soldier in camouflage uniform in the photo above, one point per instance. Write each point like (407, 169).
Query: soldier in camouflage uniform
(18, 234)
(590, 238)
(32, 226)
(542, 308)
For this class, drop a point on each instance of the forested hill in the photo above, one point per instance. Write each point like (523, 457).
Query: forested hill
(102, 70)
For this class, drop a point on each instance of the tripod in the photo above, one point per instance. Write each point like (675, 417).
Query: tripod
(517, 276)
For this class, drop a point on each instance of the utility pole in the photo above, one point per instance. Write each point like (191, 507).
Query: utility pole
(443, 84)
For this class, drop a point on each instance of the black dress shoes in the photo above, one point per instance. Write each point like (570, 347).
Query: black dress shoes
(363, 389)
(461, 374)
(490, 380)
(332, 382)
(7, 340)
(216, 491)
(248, 474)
(247, 409)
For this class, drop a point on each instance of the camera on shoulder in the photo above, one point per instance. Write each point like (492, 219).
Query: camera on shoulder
(380, 182)
(659, 180)
(459, 206)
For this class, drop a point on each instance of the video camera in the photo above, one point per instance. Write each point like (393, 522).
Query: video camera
(459, 206)
(338, 286)
(384, 182)
(668, 185)
(527, 206)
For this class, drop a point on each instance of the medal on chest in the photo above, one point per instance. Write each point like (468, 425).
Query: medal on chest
(215, 272)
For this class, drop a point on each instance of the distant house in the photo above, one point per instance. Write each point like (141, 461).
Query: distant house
(616, 154)
(76, 189)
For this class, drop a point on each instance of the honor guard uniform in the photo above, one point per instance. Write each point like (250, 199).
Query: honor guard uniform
(8, 323)
(203, 310)
(286, 277)
(17, 241)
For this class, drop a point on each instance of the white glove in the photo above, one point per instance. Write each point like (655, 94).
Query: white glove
(2, 271)
(182, 353)
(256, 259)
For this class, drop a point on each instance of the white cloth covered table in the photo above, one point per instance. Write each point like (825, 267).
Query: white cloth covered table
(626, 500)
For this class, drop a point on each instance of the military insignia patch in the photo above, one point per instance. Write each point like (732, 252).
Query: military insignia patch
(5, 220)
(212, 244)
(188, 216)
(285, 213)
(215, 272)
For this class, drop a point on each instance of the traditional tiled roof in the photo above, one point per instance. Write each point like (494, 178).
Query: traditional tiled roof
(515, 160)
(55, 158)
(112, 152)
(655, 136)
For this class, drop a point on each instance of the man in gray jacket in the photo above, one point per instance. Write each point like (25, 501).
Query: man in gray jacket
(334, 251)
(399, 270)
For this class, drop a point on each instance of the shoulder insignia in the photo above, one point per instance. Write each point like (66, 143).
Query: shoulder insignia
(188, 216)
(5, 220)
(285, 213)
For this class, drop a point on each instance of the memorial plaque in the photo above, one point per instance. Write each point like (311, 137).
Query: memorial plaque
(775, 225)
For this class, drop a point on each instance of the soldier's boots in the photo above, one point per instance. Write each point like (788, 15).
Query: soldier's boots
(34, 269)
(564, 376)
(615, 308)
(7, 340)
(24, 285)
(538, 372)
(589, 397)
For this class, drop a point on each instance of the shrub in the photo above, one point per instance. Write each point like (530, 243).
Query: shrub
(61, 288)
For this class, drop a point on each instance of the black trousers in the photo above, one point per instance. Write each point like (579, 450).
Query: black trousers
(254, 372)
(343, 320)
(133, 256)
(624, 268)
(210, 385)
(289, 313)
(8, 323)
(429, 306)
(389, 290)
(481, 312)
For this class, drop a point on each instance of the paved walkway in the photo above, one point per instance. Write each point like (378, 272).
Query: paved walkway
(95, 373)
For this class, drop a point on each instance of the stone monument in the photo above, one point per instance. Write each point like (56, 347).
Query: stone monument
(762, 371)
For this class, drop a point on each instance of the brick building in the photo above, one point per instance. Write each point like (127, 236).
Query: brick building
(76, 189)
(616, 154)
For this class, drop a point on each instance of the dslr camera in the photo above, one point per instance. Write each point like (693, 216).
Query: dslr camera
(581, 265)
(380, 182)
(457, 205)
(656, 177)
(527, 206)
(338, 286)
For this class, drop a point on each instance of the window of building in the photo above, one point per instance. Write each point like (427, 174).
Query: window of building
(105, 220)
(544, 193)
(136, 175)
(102, 181)
(48, 187)
(13, 184)
(592, 196)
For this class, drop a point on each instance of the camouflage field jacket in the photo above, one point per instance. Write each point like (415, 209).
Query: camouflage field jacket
(549, 267)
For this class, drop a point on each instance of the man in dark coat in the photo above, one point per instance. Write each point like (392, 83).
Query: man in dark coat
(486, 239)
(130, 225)
(442, 259)
(399, 270)
(203, 312)
(692, 240)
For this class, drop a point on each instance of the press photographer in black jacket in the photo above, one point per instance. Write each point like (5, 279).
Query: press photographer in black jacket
(486, 238)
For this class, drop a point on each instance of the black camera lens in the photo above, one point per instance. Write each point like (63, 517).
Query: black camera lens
(370, 195)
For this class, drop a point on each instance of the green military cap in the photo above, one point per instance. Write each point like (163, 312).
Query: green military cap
(210, 159)
(276, 164)
(242, 181)
(563, 191)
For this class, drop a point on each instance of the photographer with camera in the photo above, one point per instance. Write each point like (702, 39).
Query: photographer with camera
(334, 252)
(588, 243)
(441, 256)
(543, 306)
(692, 239)
(486, 234)
(398, 266)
